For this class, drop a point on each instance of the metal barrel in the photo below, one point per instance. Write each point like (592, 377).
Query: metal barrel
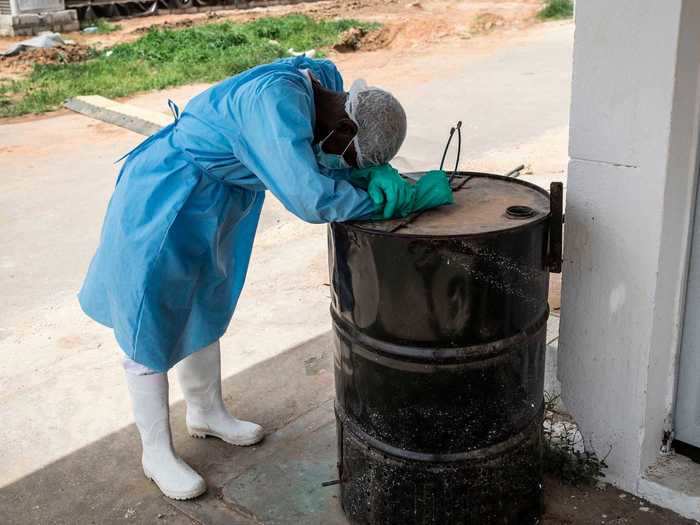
(439, 324)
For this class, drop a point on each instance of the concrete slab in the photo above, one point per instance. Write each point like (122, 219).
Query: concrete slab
(140, 120)
(287, 488)
(674, 481)
(103, 482)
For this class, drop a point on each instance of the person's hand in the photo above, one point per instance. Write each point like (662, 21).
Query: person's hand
(360, 176)
(432, 190)
(392, 195)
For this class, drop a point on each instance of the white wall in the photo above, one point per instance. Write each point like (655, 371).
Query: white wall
(36, 6)
(631, 174)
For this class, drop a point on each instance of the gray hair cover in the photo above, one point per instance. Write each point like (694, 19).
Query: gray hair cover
(381, 123)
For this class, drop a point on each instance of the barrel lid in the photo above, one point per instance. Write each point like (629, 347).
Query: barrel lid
(484, 203)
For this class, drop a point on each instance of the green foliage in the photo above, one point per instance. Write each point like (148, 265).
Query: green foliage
(164, 57)
(102, 25)
(564, 457)
(556, 10)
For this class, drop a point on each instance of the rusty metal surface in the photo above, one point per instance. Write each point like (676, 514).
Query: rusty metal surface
(481, 201)
(439, 363)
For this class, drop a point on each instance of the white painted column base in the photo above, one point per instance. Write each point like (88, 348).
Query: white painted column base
(673, 482)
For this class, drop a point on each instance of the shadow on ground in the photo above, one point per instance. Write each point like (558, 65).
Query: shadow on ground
(103, 482)
(277, 482)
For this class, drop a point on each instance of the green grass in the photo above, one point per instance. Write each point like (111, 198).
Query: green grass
(556, 10)
(106, 27)
(163, 58)
(102, 25)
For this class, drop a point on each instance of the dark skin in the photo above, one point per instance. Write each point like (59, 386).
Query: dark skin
(331, 116)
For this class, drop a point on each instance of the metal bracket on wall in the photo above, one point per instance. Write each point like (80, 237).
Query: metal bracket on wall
(556, 226)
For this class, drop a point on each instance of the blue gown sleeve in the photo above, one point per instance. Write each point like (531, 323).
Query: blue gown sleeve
(275, 143)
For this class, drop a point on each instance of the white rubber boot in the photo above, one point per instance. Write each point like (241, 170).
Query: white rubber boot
(200, 378)
(175, 478)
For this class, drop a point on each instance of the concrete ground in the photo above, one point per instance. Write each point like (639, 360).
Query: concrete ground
(68, 449)
(277, 482)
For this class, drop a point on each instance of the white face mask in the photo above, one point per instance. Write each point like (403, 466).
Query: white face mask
(332, 161)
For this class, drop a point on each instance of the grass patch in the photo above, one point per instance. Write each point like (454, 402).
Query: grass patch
(556, 10)
(164, 58)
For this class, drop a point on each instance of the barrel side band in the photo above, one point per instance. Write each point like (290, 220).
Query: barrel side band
(433, 356)
(477, 455)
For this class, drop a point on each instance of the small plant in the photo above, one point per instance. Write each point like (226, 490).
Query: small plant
(564, 454)
(106, 27)
(4, 90)
(101, 26)
(556, 10)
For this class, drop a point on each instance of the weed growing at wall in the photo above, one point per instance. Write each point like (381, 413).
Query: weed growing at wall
(564, 454)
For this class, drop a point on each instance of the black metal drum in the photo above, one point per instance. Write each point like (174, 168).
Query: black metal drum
(439, 325)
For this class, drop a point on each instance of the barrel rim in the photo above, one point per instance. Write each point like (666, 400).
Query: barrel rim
(356, 225)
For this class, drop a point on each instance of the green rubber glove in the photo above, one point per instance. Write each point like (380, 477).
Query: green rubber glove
(360, 176)
(393, 196)
(433, 190)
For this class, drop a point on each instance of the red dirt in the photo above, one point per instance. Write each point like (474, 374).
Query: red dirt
(22, 63)
(407, 24)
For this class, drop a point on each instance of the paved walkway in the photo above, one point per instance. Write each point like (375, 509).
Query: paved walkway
(276, 483)
(61, 384)
(68, 448)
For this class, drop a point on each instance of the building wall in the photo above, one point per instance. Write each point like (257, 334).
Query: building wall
(678, 211)
(633, 145)
(39, 6)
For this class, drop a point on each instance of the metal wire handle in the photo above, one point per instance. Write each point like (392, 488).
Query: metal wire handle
(459, 149)
(447, 146)
(458, 129)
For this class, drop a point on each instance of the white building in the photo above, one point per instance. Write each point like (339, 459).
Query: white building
(629, 353)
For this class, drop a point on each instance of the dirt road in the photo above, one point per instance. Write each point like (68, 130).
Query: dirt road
(407, 25)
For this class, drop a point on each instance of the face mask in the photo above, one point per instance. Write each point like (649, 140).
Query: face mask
(331, 161)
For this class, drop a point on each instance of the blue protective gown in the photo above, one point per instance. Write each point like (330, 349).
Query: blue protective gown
(179, 228)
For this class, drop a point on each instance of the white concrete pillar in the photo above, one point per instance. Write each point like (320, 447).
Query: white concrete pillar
(633, 145)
